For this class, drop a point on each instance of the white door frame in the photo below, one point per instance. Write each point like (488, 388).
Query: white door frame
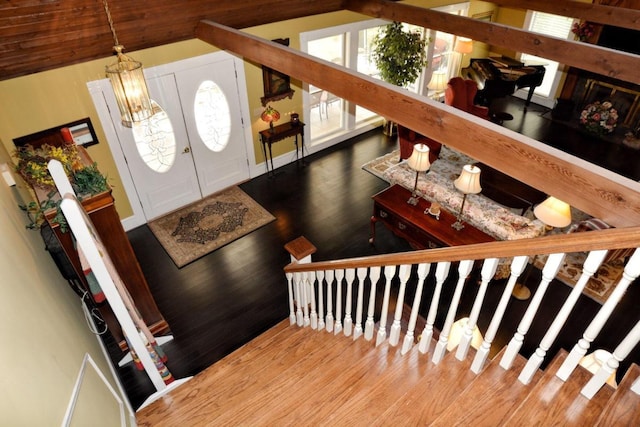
(97, 89)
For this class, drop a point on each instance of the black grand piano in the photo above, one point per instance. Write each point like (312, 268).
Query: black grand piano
(499, 77)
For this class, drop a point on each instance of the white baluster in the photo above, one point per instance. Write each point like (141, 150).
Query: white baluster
(517, 267)
(362, 274)
(350, 275)
(304, 286)
(551, 268)
(292, 314)
(320, 277)
(591, 264)
(337, 327)
(489, 268)
(619, 354)
(635, 387)
(389, 271)
(630, 273)
(329, 274)
(297, 279)
(423, 270)
(374, 276)
(442, 271)
(394, 335)
(313, 316)
(464, 269)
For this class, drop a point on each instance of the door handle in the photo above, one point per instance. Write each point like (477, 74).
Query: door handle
(186, 150)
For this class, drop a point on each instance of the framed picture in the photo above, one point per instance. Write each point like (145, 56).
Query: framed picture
(277, 85)
(81, 132)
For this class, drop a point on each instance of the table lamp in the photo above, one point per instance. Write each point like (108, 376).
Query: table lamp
(467, 183)
(437, 84)
(419, 162)
(270, 115)
(553, 213)
(463, 46)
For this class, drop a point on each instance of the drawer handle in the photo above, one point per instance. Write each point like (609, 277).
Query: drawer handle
(401, 226)
(383, 214)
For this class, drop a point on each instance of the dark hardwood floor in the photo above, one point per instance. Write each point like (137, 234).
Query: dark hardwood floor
(223, 300)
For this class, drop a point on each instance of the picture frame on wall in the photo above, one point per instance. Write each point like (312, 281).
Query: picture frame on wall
(277, 85)
(81, 132)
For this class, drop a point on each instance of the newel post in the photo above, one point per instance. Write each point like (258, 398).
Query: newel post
(301, 293)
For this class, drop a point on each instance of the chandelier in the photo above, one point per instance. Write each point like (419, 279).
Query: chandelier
(129, 85)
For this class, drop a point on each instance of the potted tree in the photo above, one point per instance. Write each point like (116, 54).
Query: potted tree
(399, 56)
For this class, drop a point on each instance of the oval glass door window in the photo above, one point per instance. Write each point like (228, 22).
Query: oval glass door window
(155, 140)
(212, 116)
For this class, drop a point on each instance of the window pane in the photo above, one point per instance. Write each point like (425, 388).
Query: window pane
(212, 116)
(155, 140)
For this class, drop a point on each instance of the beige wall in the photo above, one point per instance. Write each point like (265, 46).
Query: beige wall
(44, 100)
(43, 332)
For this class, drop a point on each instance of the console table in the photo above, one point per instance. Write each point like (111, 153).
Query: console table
(278, 133)
(421, 230)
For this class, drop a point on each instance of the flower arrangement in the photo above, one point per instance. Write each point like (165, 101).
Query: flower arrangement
(32, 167)
(599, 118)
(583, 30)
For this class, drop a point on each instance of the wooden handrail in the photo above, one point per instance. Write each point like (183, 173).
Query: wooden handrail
(613, 238)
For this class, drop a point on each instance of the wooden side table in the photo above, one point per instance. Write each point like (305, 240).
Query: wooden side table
(422, 231)
(278, 133)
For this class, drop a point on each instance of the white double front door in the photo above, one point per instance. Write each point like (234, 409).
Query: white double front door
(195, 146)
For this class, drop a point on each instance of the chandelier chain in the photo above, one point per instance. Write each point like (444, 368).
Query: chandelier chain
(113, 30)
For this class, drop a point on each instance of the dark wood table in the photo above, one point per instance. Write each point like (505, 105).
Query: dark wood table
(421, 230)
(278, 133)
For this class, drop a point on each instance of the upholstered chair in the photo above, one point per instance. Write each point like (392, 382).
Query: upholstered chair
(460, 93)
(408, 138)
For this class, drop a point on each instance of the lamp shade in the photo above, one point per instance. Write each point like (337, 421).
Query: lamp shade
(438, 81)
(130, 88)
(463, 45)
(469, 180)
(553, 212)
(419, 159)
(270, 114)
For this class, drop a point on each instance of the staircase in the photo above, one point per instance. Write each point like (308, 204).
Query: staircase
(293, 376)
(362, 348)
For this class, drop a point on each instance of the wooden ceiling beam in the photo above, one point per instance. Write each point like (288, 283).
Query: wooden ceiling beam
(602, 14)
(590, 188)
(600, 60)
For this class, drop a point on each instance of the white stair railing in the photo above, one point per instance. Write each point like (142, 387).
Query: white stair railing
(489, 268)
(591, 264)
(549, 271)
(310, 288)
(517, 267)
(630, 273)
(442, 271)
(423, 270)
(464, 269)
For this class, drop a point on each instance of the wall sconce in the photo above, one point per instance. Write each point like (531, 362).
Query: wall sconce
(467, 183)
(270, 115)
(419, 162)
(129, 85)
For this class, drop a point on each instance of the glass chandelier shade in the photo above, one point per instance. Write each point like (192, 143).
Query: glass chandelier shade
(127, 79)
(130, 88)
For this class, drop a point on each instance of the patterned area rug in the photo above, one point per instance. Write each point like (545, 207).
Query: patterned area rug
(379, 165)
(599, 287)
(202, 227)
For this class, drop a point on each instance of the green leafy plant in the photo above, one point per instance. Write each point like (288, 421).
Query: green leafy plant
(32, 166)
(399, 55)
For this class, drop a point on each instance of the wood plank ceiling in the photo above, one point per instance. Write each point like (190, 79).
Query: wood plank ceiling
(39, 35)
